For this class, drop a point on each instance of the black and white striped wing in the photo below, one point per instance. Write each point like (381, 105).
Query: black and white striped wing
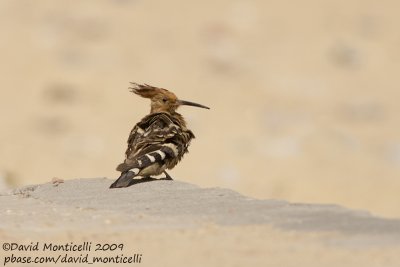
(151, 141)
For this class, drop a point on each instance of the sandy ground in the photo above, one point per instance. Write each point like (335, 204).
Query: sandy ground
(172, 223)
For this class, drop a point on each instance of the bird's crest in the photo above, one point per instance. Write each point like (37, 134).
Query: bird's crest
(147, 91)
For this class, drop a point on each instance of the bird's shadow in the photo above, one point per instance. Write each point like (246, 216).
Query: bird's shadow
(146, 180)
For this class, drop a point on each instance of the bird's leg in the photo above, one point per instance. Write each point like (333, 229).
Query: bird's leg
(167, 177)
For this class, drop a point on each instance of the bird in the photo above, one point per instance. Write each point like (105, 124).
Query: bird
(159, 141)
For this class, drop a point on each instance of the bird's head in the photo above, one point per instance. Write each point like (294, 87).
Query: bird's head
(162, 100)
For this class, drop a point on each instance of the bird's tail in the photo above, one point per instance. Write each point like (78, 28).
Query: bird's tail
(123, 167)
(123, 180)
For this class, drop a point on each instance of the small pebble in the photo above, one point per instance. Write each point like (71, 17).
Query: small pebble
(56, 181)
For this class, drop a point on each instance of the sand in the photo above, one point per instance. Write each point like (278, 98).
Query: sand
(172, 223)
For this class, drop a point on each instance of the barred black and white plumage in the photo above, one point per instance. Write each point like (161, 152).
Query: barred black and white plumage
(159, 141)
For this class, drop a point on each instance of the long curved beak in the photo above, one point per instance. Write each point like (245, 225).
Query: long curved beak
(188, 103)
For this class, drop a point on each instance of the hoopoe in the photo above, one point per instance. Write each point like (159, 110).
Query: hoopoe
(159, 141)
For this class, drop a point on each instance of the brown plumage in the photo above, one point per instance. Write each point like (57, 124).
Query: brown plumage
(159, 141)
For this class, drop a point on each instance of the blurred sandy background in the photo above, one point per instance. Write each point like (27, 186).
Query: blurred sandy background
(303, 93)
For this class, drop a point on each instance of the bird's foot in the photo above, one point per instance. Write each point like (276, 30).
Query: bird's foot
(167, 177)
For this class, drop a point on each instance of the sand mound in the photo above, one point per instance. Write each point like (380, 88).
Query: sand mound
(174, 223)
(167, 204)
